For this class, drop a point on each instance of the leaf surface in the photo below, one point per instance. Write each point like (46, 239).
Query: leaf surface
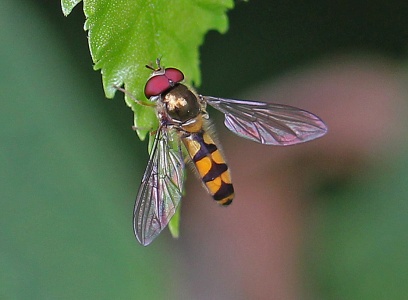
(126, 35)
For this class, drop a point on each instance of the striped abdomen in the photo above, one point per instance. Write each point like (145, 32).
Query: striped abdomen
(211, 166)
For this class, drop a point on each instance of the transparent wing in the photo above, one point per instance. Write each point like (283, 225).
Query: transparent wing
(161, 188)
(267, 123)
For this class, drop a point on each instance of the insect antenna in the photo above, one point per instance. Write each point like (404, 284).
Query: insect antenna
(158, 68)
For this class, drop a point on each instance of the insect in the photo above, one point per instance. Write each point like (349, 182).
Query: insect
(184, 128)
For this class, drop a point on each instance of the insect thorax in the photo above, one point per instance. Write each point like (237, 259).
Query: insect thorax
(181, 104)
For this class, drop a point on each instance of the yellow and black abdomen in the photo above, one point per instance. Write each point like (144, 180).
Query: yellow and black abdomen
(210, 165)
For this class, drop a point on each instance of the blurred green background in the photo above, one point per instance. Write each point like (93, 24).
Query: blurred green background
(71, 165)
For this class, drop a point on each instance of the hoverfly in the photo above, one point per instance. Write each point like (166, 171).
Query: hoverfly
(183, 127)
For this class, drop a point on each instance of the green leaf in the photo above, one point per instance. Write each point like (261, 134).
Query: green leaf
(174, 224)
(126, 35)
(68, 6)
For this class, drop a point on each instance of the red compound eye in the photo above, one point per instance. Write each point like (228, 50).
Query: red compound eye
(174, 74)
(156, 85)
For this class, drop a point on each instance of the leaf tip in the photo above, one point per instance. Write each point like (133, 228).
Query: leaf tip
(68, 5)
